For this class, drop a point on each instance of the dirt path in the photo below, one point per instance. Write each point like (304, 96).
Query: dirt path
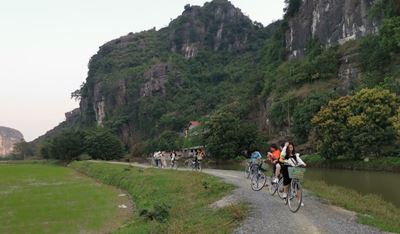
(269, 215)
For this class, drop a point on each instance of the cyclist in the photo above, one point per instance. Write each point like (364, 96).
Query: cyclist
(255, 157)
(173, 158)
(198, 157)
(289, 158)
(274, 157)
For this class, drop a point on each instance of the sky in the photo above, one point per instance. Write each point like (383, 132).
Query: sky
(45, 47)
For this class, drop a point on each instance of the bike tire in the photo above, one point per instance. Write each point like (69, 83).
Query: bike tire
(247, 172)
(272, 187)
(258, 181)
(280, 188)
(295, 190)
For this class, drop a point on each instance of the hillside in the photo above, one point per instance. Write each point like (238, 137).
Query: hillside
(147, 86)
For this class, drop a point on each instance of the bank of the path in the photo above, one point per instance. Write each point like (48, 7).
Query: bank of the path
(269, 215)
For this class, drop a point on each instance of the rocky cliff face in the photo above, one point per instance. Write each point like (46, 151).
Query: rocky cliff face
(331, 22)
(8, 137)
(130, 75)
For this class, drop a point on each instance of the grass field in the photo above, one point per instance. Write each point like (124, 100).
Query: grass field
(168, 201)
(53, 199)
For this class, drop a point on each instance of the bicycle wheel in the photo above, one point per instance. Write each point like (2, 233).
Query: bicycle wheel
(258, 181)
(280, 188)
(272, 187)
(253, 170)
(247, 172)
(295, 196)
(188, 164)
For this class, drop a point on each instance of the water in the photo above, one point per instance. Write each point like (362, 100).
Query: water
(383, 184)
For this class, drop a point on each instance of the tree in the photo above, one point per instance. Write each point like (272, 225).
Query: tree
(102, 144)
(23, 149)
(168, 141)
(304, 112)
(67, 146)
(357, 126)
(226, 136)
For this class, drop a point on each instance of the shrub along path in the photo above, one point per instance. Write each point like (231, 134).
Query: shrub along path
(269, 215)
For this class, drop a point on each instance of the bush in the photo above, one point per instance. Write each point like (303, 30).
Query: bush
(358, 126)
(66, 147)
(101, 144)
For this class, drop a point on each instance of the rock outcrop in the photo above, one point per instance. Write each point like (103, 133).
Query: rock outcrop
(331, 22)
(8, 138)
(218, 25)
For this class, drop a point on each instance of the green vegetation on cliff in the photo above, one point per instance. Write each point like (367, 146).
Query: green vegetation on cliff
(147, 86)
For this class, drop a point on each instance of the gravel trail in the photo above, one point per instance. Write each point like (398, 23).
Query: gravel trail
(270, 215)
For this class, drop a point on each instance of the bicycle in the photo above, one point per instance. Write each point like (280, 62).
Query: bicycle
(258, 181)
(174, 164)
(295, 193)
(196, 165)
(188, 163)
(274, 187)
(247, 170)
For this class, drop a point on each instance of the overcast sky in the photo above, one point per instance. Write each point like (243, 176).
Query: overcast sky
(45, 46)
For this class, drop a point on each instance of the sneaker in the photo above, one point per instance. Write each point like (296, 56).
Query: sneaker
(284, 196)
(302, 204)
(275, 180)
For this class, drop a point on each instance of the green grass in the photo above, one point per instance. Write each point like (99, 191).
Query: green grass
(388, 164)
(371, 209)
(40, 198)
(178, 201)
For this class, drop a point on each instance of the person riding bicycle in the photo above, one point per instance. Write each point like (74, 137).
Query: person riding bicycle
(198, 157)
(255, 157)
(173, 158)
(274, 157)
(289, 158)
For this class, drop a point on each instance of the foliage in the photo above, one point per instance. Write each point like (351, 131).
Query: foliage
(101, 144)
(23, 150)
(71, 144)
(304, 112)
(384, 9)
(66, 147)
(357, 126)
(226, 136)
(378, 50)
(317, 65)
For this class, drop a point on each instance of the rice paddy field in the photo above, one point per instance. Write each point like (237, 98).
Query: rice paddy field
(39, 198)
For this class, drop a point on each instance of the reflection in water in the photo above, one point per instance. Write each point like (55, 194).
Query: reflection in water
(365, 182)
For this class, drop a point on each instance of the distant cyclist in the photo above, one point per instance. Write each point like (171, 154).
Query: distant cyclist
(173, 159)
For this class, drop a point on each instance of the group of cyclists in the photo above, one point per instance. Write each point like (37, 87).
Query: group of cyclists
(160, 159)
(281, 158)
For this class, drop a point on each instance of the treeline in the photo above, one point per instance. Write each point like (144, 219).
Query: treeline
(74, 144)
